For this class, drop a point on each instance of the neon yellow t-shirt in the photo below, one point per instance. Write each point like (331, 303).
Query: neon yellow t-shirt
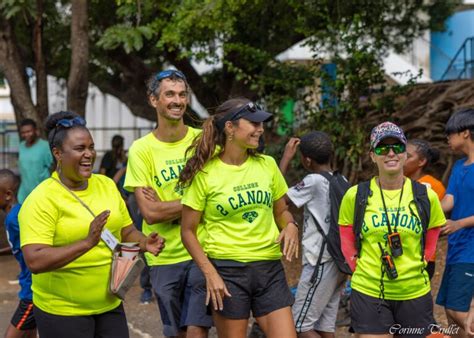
(51, 215)
(412, 281)
(158, 164)
(237, 206)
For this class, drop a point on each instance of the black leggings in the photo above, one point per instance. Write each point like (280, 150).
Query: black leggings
(111, 324)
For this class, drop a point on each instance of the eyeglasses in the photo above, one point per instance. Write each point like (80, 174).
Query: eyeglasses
(248, 108)
(67, 123)
(384, 149)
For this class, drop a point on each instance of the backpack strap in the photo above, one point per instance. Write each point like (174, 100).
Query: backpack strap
(338, 183)
(423, 206)
(362, 196)
(315, 273)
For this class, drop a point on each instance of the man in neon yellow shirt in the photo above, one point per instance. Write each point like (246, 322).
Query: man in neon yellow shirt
(156, 161)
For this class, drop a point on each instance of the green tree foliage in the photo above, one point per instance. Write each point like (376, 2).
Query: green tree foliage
(130, 39)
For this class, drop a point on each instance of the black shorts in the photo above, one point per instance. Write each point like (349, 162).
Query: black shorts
(402, 318)
(112, 323)
(259, 287)
(23, 318)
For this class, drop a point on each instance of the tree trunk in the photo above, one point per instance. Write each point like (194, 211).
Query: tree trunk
(11, 64)
(40, 64)
(78, 80)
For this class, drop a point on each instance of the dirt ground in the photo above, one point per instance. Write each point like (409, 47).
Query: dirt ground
(144, 320)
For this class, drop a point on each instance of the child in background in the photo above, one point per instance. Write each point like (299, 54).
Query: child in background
(22, 324)
(457, 287)
(420, 156)
(317, 302)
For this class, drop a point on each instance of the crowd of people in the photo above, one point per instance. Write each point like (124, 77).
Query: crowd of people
(210, 212)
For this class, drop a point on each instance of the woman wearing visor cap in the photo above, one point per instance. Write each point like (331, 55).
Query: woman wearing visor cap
(61, 240)
(388, 254)
(238, 195)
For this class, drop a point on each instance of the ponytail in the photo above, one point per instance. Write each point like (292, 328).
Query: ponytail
(203, 148)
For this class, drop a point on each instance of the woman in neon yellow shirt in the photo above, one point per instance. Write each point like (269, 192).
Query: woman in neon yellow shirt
(62, 243)
(238, 195)
(390, 285)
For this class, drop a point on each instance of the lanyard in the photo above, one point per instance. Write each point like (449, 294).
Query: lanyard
(106, 235)
(385, 208)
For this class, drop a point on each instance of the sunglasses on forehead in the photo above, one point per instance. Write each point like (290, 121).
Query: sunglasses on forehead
(384, 149)
(67, 123)
(248, 108)
(169, 73)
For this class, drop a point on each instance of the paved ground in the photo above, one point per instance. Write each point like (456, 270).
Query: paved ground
(144, 320)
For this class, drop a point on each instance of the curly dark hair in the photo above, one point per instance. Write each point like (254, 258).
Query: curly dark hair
(425, 151)
(317, 146)
(57, 133)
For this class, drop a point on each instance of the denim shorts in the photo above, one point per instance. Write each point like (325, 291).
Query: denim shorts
(180, 290)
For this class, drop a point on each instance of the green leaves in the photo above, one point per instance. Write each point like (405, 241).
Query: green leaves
(11, 8)
(130, 38)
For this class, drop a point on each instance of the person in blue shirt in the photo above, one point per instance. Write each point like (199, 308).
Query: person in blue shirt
(457, 286)
(23, 322)
(34, 159)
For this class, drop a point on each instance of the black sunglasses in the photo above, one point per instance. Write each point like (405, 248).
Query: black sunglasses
(248, 108)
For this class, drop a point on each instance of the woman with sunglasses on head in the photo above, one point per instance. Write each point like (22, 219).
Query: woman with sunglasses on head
(386, 237)
(238, 195)
(61, 240)
(420, 155)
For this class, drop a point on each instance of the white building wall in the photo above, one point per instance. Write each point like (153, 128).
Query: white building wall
(105, 115)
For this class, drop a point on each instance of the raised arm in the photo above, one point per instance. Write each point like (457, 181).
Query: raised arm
(153, 244)
(216, 289)
(43, 258)
(290, 151)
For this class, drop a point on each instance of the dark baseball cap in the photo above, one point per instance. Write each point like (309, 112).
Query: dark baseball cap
(250, 111)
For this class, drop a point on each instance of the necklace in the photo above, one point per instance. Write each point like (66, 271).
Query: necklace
(385, 207)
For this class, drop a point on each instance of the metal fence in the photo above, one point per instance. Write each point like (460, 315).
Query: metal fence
(462, 64)
(10, 141)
